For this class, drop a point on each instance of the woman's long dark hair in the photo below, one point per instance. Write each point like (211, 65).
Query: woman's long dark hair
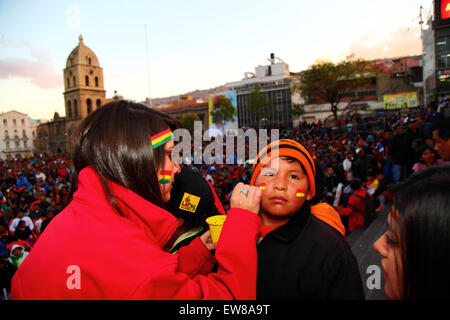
(423, 202)
(116, 141)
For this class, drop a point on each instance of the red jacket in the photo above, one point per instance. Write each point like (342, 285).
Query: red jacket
(122, 258)
(354, 209)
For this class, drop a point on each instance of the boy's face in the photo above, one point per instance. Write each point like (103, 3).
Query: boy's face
(286, 190)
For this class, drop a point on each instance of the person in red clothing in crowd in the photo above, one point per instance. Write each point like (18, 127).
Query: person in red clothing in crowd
(62, 171)
(352, 214)
(108, 242)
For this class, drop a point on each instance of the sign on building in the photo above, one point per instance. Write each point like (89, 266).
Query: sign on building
(400, 100)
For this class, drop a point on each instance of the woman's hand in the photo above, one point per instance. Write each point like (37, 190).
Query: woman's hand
(206, 238)
(250, 202)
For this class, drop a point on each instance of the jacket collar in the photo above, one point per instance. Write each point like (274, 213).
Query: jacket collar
(291, 230)
(157, 223)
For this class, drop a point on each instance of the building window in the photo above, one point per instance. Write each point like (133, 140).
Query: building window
(22, 121)
(14, 122)
(6, 134)
(25, 144)
(87, 80)
(17, 144)
(99, 103)
(443, 52)
(96, 81)
(24, 134)
(89, 105)
(74, 82)
(69, 109)
(68, 83)
(75, 108)
(5, 122)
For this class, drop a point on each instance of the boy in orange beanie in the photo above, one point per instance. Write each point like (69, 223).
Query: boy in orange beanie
(300, 256)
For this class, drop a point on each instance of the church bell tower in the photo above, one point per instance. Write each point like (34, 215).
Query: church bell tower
(83, 83)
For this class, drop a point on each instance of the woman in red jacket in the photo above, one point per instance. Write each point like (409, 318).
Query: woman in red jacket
(108, 241)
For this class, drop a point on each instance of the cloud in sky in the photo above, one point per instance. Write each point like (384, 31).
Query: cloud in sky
(399, 42)
(39, 67)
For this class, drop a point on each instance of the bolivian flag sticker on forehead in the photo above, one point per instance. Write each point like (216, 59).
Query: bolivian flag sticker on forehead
(161, 138)
(165, 176)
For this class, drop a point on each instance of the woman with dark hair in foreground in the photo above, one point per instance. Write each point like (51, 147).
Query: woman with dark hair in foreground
(108, 242)
(415, 249)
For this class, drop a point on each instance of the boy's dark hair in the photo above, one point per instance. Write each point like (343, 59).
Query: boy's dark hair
(116, 141)
(423, 201)
(422, 148)
(443, 128)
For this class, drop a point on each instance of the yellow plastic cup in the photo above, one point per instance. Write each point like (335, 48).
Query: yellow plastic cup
(215, 226)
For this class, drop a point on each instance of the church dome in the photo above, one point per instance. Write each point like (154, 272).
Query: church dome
(82, 55)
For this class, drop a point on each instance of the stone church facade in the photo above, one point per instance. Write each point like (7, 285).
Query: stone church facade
(83, 93)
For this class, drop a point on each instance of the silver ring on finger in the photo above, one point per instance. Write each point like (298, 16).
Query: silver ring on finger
(244, 191)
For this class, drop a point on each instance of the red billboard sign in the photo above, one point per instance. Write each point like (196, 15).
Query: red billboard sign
(445, 9)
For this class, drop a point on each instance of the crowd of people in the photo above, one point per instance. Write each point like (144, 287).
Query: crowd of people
(32, 192)
(360, 156)
(356, 159)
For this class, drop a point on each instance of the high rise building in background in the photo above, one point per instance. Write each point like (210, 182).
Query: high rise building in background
(436, 53)
(270, 85)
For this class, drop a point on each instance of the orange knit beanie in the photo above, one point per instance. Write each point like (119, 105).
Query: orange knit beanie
(286, 148)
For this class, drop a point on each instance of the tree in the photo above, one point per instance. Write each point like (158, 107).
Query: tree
(260, 105)
(330, 82)
(222, 111)
(187, 120)
(298, 109)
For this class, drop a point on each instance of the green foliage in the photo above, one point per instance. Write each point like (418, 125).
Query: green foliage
(260, 105)
(298, 109)
(187, 120)
(222, 110)
(330, 82)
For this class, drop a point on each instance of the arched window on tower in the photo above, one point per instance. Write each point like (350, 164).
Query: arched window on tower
(99, 103)
(69, 109)
(68, 82)
(74, 81)
(87, 80)
(75, 108)
(89, 105)
(96, 81)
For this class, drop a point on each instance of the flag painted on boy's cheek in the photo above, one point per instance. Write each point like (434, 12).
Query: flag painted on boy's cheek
(262, 186)
(300, 193)
(165, 176)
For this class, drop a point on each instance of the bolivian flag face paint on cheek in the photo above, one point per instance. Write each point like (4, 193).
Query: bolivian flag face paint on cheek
(165, 176)
(262, 186)
(300, 193)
